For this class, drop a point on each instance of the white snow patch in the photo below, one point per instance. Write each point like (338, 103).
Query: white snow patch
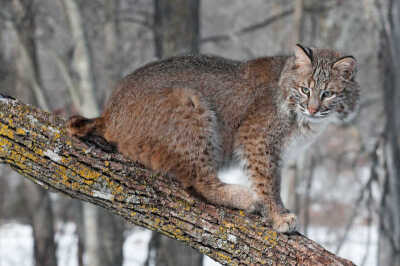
(232, 238)
(5, 100)
(207, 261)
(52, 155)
(354, 248)
(16, 245)
(33, 119)
(67, 245)
(135, 247)
(102, 195)
(53, 130)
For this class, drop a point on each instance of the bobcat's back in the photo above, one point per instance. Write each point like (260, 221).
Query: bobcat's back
(227, 87)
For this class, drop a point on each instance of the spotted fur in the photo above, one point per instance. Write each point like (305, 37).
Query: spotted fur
(192, 116)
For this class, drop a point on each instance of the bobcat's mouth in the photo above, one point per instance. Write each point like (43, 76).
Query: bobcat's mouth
(316, 118)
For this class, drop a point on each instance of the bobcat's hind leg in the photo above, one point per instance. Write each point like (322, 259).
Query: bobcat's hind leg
(229, 195)
(203, 156)
(182, 138)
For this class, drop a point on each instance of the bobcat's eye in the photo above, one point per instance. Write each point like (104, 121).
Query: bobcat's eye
(305, 90)
(326, 94)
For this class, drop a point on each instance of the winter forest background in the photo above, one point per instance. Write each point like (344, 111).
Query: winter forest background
(65, 56)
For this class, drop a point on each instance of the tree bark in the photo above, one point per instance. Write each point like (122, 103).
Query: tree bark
(389, 224)
(33, 142)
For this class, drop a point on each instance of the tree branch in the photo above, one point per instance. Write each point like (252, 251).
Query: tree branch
(33, 142)
(248, 29)
(266, 22)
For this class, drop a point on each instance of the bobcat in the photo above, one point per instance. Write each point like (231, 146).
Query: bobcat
(192, 116)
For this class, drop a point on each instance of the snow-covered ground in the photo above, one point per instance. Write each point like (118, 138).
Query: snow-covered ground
(16, 245)
(354, 247)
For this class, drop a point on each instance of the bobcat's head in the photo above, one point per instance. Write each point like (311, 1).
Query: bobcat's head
(320, 85)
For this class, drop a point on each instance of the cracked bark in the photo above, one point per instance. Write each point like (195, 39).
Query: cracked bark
(33, 142)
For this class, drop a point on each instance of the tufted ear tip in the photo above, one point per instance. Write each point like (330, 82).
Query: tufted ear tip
(303, 53)
(303, 58)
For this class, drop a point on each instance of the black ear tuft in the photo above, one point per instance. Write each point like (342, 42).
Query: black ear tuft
(307, 51)
(4, 96)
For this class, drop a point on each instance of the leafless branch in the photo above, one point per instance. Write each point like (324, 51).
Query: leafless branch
(265, 23)
(248, 29)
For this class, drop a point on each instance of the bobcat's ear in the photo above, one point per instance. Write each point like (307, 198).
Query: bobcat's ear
(346, 66)
(303, 58)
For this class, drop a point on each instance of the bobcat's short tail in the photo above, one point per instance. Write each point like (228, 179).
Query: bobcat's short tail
(90, 131)
(80, 126)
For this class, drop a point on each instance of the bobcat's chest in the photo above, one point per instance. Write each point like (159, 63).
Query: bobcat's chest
(302, 136)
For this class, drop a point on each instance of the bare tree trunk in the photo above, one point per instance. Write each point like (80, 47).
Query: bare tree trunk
(176, 31)
(24, 27)
(43, 230)
(91, 240)
(112, 45)
(82, 61)
(298, 21)
(389, 228)
(80, 233)
(176, 27)
(167, 252)
(111, 234)
(28, 76)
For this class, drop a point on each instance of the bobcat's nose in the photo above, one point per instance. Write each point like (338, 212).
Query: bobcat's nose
(312, 109)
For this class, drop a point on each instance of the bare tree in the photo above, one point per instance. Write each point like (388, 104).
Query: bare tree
(24, 25)
(112, 44)
(176, 27)
(37, 200)
(389, 226)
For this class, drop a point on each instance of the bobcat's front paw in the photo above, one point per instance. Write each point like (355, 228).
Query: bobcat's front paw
(284, 222)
